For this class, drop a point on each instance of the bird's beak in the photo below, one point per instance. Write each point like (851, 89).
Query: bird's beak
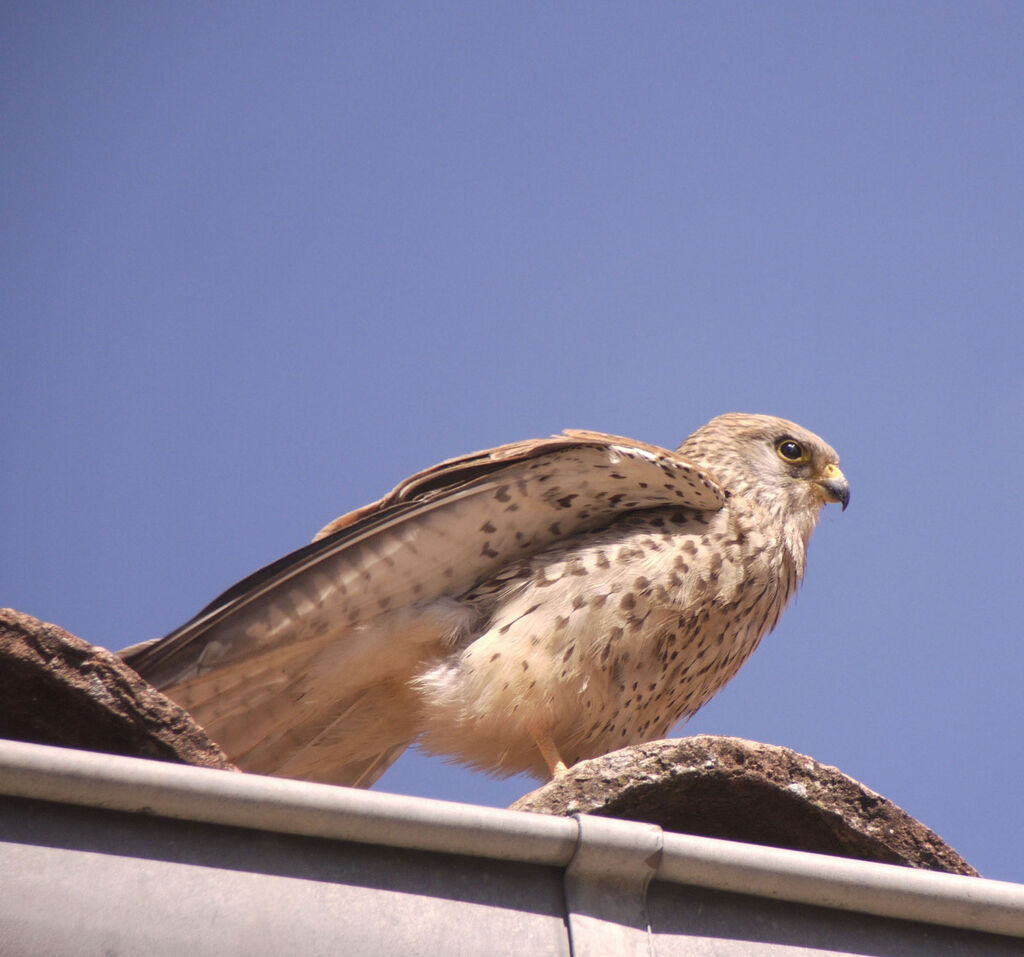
(834, 485)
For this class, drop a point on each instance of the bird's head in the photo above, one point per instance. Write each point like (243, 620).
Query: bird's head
(773, 461)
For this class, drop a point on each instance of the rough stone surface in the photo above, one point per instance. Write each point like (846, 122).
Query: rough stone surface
(745, 791)
(57, 689)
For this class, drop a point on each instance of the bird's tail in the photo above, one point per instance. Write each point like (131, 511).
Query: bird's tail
(338, 707)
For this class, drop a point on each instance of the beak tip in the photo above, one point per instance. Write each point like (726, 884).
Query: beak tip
(837, 490)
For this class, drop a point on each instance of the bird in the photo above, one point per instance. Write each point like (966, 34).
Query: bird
(517, 609)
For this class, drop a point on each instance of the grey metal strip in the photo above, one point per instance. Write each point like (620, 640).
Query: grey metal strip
(606, 887)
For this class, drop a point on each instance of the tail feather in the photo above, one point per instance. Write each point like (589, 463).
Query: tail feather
(367, 734)
(338, 708)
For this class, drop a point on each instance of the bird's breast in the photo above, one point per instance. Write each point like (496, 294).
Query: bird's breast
(607, 639)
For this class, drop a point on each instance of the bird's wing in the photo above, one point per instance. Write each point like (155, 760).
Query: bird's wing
(362, 604)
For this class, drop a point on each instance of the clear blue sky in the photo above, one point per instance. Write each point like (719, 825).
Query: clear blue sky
(259, 263)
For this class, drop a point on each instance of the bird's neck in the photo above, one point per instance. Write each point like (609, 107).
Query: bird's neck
(795, 530)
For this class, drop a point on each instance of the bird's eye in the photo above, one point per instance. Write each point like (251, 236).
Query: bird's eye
(791, 451)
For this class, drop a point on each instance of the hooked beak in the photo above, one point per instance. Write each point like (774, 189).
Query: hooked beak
(834, 485)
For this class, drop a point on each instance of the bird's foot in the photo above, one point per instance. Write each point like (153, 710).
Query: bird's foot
(549, 752)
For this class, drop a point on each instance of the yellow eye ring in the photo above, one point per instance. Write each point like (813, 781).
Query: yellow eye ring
(791, 451)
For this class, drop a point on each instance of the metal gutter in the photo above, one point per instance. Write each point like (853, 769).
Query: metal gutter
(613, 860)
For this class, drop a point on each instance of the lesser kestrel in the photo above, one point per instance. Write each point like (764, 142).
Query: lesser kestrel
(518, 609)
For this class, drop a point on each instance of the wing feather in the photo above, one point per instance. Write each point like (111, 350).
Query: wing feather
(269, 665)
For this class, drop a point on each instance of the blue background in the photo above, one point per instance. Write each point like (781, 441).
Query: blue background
(261, 262)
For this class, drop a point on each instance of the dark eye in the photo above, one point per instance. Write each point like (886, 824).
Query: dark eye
(791, 451)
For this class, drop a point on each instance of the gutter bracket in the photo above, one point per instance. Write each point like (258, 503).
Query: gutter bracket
(606, 887)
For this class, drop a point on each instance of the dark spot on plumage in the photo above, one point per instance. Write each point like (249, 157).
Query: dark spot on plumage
(602, 560)
(598, 600)
(384, 603)
(616, 475)
(555, 528)
(615, 499)
(526, 666)
(488, 528)
(502, 494)
(496, 656)
(627, 601)
(488, 551)
(657, 522)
